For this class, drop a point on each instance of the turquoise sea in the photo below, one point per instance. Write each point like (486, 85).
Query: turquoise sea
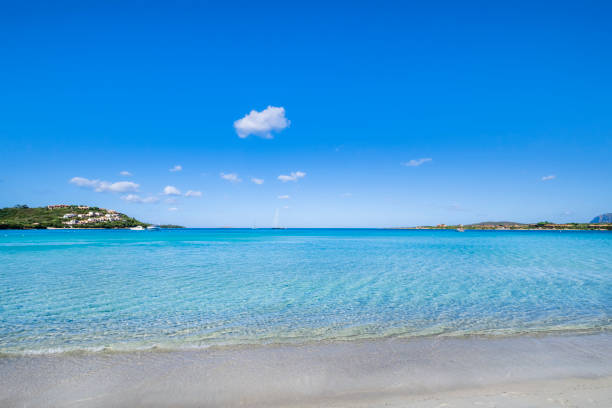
(70, 290)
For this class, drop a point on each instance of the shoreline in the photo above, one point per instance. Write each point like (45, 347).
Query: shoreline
(364, 373)
(321, 228)
(127, 348)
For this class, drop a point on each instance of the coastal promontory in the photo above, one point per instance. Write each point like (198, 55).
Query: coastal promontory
(64, 216)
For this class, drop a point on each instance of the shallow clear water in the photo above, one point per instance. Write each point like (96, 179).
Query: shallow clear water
(122, 290)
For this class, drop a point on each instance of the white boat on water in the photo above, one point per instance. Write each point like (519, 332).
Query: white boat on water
(153, 228)
(138, 228)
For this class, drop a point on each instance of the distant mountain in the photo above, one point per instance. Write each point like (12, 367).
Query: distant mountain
(602, 219)
(504, 223)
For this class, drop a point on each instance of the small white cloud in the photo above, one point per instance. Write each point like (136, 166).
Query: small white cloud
(231, 177)
(257, 180)
(135, 198)
(294, 176)
(83, 182)
(172, 209)
(192, 193)
(178, 167)
(283, 197)
(547, 178)
(416, 162)
(150, 199)
(171, 200)
(125, 173)
(262, 124)
(105, 186)
(118, 187)
(286, 207)
(171, 190)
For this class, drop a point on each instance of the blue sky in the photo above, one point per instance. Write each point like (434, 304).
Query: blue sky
(497, 96)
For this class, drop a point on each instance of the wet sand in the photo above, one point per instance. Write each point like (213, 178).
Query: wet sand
(428, 372)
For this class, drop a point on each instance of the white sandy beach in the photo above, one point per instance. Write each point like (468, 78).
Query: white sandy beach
(550, 371)
(572, 392)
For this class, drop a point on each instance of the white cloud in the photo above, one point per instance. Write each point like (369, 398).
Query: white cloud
(262, 123)
(172, 209)
(171, 200)
(547, 178)
(118, 187)
(416, 162)
(283, 197)
(125, 173)
(83, 182)
(232, 177)
(294, 176)
(192, 193)
(135, 198)
(171, 190)
(178, 167)
(104, 186)
(257, 180)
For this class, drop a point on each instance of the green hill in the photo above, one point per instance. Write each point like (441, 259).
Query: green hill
(64, 216)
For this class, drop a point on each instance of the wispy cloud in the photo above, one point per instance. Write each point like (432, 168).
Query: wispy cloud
(171, 190)
(172, 209)
(125, 173)
(193, 193)
(135, 198)
(177, 167)
(456, 207)
(84, 182)
(231, 177)
(105, 186)
(118, 187)
(283, 197)
(294, 176)
(262, 124)
(416, 162)
(257, 180)
(346, 195)
(550, 177)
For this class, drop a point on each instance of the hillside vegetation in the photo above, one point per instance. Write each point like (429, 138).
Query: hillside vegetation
(70, 216)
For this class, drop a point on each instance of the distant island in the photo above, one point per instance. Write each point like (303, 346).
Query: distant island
(599, 223)
(67, 216)
(602, 219)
